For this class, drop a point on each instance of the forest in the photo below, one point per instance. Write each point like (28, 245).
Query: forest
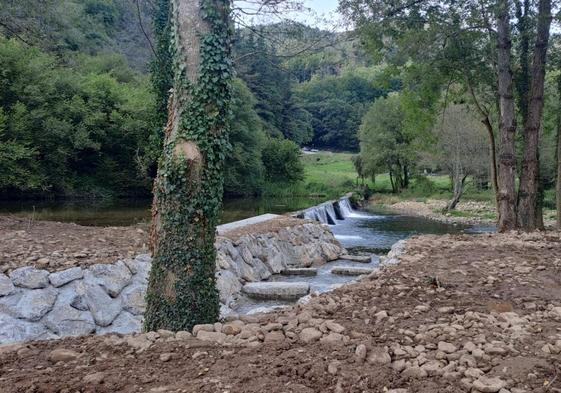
(80, 115)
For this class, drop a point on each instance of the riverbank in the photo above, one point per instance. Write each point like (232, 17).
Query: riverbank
(459, 313)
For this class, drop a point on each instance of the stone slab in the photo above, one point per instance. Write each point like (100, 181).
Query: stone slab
(276, 290)
(357, 258)
(351, 271)
(300, 272)
(243, 223)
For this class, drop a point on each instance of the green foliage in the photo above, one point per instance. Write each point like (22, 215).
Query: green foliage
(74, 130)
(338, 103)
(243, 170)
(385, 145)
(281, 158)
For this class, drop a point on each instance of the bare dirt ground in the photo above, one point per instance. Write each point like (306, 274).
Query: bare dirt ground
(57, 246)
(458, 314)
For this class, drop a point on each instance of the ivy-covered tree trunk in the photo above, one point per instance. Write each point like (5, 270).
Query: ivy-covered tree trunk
(188, 189)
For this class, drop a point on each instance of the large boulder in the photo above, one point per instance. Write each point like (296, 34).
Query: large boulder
(133, 299)
(59, 279)
(125, 323)
(103, 308)
(65, 320)
(228, 285)
(29, 277)
(6, 285)
(14, 330)
(113, 278)
(35, 303)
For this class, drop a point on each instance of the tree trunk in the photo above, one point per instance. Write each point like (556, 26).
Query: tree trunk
(189, 186)
(507, 126)
(493, 155)
(529, 179)
(459, 183)
(558, 158)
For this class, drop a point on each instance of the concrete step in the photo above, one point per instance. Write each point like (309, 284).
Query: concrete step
(304, 271)
(351, 271)
(276, 290)
(357, 258)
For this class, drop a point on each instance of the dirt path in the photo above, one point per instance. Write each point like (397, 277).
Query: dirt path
(458, 314)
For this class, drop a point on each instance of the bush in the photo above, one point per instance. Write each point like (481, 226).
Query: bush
(423, 186)
(281, 159)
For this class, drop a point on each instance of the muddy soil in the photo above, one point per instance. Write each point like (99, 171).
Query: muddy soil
(458, 314)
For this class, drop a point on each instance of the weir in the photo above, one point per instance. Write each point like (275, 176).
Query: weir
(330, 212)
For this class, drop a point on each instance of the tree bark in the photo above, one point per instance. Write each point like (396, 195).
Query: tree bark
(459, 183)
(558, 158)
(492, 144)
(189, 186)
(507, 124)
(529, 180)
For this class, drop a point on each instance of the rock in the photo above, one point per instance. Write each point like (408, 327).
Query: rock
(63, 355)
(274, 336)
(165, 357)
(360, 352)
(303, 271)
(332, 338)
(34, 304)
(65, 320)
(211, 336)
(334, 327)
(29, 277)
(401, 390)
(94, 379)
(231, 329)
(111, 277)
(15, 330)
(379, 356)
(333, 368)
(351, 271)
(208, 327)
(125, 323)
(276, 290)
(445, 310)
(227, 284)
(432, 367)
(399, 365)
(139, 342)
(183, 335)
(381, 315)
(489, 385)
(103, 308)
(133, 299)
(59, 279)
(446, 347)
(357, 258)
(309, 335)
(414, 372)
(6, 286)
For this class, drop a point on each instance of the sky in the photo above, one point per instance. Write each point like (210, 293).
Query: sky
(324, 14)
(322, 6)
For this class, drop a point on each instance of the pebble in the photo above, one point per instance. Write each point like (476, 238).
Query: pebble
(63, 355)
(488, 385)
(446, 347)
(165, 357)
(309, 335)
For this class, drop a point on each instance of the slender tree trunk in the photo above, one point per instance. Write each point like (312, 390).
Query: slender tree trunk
(529, 179)
(558, 157)
(492, 144)
(459, 184)
(507, 126)
(189, 186)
